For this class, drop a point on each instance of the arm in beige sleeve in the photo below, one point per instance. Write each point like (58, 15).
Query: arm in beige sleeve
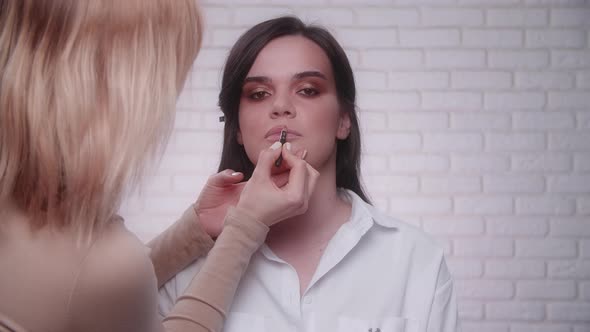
(8, 325)
(178, 246)
(207, 300)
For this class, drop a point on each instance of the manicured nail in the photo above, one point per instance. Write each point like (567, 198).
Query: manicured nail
(275, 145)
(235, 173)
(288, 146)
(304, 154)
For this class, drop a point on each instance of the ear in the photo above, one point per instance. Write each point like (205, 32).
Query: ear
(239, 138)
(343, 126)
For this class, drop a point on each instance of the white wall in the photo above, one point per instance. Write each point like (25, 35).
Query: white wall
(476, 127)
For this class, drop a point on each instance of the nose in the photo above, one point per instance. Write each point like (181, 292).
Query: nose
(283, 106)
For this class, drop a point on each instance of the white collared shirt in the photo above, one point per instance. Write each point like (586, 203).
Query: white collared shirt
(377, 274)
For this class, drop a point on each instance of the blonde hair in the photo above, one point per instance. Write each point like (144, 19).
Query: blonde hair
(87, 97)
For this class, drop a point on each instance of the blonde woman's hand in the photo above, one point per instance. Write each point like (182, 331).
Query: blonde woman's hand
(271, 197)
(221, 191)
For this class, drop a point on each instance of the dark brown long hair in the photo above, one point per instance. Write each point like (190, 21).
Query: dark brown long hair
(238, 64)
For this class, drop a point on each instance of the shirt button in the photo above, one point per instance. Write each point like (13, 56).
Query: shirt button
(307, 299)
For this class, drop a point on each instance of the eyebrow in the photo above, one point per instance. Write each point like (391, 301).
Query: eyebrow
(298, 76)
(310, 73)
(257, 79)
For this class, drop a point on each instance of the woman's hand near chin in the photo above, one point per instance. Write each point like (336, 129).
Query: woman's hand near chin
(271, 197)
(221, 191)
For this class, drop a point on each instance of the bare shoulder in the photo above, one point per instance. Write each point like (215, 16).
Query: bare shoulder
(117, 258)
(116, 282)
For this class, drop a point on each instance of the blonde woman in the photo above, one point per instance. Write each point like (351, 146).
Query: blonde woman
(87, 96)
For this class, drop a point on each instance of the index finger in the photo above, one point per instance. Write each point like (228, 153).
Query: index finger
(266, 160)
(298, 175)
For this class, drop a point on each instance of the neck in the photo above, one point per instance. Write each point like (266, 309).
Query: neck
(326, 212)
(9, 210)
(13, 217)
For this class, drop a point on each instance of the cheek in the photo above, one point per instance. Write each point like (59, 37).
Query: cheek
(322, 116)
(322, 125)
(249, 126)
(248, 120)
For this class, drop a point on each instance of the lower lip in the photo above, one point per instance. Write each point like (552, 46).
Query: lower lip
(277, 137)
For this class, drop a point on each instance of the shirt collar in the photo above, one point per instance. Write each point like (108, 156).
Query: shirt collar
(364, 215)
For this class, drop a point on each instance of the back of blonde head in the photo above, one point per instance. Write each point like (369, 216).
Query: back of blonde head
(87, 96)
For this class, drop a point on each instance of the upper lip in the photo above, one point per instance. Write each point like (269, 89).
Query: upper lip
(277, 131)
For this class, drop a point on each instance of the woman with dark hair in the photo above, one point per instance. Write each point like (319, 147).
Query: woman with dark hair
(342, 265)
(239, 62)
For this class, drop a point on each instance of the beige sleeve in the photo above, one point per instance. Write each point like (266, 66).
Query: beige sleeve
(178, 246)
(205, 303)
(8, 325)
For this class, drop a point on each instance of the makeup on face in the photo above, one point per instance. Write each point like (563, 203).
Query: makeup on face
(290, 86)
(283, 139)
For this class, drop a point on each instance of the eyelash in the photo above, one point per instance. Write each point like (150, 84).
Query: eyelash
(259, 95)
(311, 92)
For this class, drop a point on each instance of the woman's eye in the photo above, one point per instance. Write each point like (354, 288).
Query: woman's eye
(258, 95)
(309, 92)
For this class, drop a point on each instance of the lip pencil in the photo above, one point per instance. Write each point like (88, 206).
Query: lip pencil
(283, 139)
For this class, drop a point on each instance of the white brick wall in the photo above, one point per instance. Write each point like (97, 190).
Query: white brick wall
(475, 117)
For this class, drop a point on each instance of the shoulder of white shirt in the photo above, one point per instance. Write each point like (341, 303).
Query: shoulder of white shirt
(384, 220)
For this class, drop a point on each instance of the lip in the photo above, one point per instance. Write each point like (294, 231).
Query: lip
(274, 134)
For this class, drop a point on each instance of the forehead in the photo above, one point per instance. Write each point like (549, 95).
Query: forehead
(289, 55)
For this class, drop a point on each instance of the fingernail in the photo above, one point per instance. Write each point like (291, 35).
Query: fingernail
(288, 146)
(304, 154)
(235, 173)
(275, 145)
